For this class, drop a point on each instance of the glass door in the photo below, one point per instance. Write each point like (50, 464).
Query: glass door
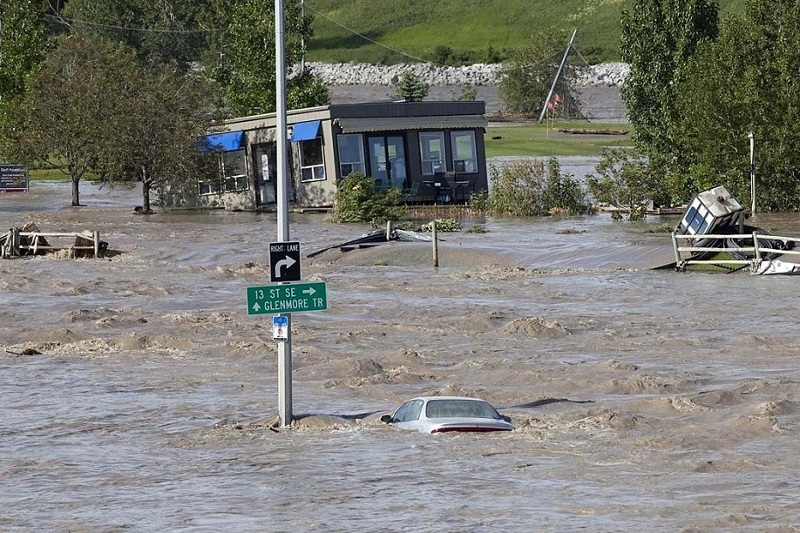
(387, 161)
(264, 161)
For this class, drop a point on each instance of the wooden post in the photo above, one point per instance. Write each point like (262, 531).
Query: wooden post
(15, 242)
(757, 252)
(388, 230)
(96, 239)
(6, 251)
(435, 244)
(675, 246)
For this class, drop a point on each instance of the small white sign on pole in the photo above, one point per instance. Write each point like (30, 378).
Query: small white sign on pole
(280, 328)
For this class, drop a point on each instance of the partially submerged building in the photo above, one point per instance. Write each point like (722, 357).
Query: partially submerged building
(432, 151)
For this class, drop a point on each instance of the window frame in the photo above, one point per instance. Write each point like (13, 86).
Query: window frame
(352, 163)
(466, 162)
(315, 170)
(223, 182)
(424, 138)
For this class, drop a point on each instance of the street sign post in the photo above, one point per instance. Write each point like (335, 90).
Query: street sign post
(287, 298)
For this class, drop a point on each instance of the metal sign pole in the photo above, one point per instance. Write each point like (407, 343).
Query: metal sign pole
(752, 138)
(285, 347)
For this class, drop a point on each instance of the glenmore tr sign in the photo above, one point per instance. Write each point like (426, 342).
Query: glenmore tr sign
(287, 298)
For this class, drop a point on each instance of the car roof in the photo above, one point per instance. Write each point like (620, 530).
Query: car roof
(428, 398)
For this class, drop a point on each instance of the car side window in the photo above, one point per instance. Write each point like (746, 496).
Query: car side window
(416, 409)
(400, 414)
(408, 411)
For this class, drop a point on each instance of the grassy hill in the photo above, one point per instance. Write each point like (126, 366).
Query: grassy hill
(474, 31)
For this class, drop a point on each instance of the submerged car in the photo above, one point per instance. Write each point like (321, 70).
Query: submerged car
(442, 414)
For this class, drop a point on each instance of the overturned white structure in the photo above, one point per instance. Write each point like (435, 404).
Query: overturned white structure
(713, 223)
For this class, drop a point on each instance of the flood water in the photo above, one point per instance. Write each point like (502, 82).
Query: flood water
(137, 391)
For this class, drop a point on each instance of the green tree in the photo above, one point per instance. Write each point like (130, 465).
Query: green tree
(747, 81)
(241, 59)
(155, 138)
(22, 43)
(659, 37)
(410, 87)
(160, 31)
(526, 79)
(61, 121)
(22, 46)
(625, 181)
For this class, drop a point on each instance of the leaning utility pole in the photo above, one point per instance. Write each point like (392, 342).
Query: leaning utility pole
(558, 75)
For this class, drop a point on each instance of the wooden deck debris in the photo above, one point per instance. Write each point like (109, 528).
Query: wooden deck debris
(29, 240)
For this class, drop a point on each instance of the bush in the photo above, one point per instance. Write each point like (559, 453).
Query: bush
(357, 200)
(479, 201)
(443, 225)
(527, 188)
(625, 181)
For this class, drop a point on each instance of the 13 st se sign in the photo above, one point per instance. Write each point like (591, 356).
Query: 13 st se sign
(284, 261)
(287, 298)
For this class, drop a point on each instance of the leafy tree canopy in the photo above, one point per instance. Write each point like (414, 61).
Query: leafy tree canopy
(160, 31)
(242, 58)
(22, 46)
(747, 81)
(70, 103)
(659, 37)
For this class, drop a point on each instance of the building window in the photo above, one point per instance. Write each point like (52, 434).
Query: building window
(351, 154)
(232, 174)
(431, 147)
(211, 186)
(233, 170)
(312, 165)
(465, 159)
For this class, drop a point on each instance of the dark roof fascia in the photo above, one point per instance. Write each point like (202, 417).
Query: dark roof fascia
(407, 109)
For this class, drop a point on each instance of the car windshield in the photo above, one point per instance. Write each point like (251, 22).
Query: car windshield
(460, 409)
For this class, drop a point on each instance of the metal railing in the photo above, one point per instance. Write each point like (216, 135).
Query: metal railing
(762, 245)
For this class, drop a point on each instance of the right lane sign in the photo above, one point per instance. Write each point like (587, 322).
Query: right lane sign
(287, 298)
(284, 261)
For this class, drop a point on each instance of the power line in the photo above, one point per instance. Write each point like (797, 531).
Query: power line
(354, 32)
(69, 22)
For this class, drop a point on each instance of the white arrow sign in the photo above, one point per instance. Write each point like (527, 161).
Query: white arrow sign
(310, 291)
(283, 263)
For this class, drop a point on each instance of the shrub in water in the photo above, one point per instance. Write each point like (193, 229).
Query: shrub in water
(358, 200)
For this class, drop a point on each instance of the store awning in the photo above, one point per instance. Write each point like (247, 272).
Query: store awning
(221, 142)
(358, 125)
(305, 131)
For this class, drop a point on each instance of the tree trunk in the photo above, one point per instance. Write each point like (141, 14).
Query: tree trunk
(75, 192)
(145, 191)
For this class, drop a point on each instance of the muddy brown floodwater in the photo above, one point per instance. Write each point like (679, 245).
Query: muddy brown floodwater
(642, 399)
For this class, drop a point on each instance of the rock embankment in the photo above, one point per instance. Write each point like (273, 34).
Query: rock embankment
(602, 75)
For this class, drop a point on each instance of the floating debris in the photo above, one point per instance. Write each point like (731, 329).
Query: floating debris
(713, 233)
(29, 240)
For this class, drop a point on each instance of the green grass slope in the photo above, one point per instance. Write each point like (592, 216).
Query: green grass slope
(403, 31)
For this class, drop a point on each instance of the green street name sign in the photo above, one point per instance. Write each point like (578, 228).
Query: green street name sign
(287, 298)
